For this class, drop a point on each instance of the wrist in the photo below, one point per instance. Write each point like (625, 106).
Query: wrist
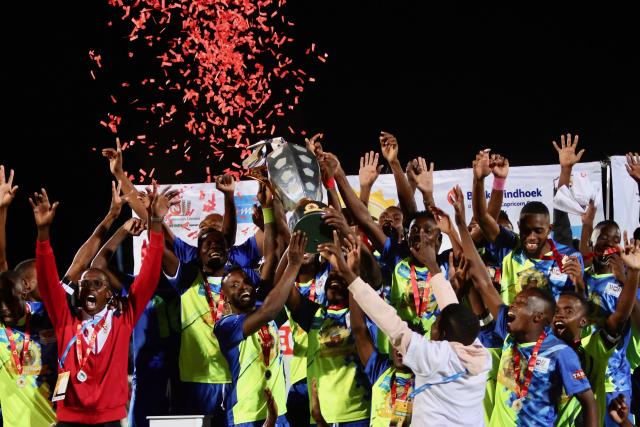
(499, 183)
(330, 183)
(267, 215)
(154, 218)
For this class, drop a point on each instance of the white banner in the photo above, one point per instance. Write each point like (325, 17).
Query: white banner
(626, 200)
(524, 184)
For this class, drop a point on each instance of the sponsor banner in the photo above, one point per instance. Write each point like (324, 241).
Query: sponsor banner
(524, 184)
(626, 199)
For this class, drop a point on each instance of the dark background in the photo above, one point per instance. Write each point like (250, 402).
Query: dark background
(446, 79)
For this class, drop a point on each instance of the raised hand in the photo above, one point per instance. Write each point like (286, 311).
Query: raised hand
(389, 146)
(567, 155)
(425, 252)
(633, 166)
(457, 200)
(424, 175)
(617, 267)
(7, 190)
(458, 272)
(314, 145)
(117, 199)
(571, 266)
(159, 202)
(43, 211)
(226, 184)
(499, 166)
(264, 195)
(115, 158)
(443, 221)
(297, 246)
(369, 169)
(353, 245)
(630, 254)
(590, 215)
(329, 164)
(332, 252)
(334, 218)
(482, 165)
(134, 226)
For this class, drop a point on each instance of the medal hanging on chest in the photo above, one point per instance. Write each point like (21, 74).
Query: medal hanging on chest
(266, 342)
(522, 388)
(81, 375)
(421, 302)
(25, 357)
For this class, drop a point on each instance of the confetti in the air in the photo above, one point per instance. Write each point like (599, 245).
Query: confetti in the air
(218, 76)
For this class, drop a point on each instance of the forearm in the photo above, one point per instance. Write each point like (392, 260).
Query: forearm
(487, 224)
(147, 280)
(334, 200)
(365, 193)
(130, 190)
(382, 314)
(4, 265)
(270, 253)
(565, 176)
(359, 212)
(625, 304)
(230, 221)
(443, 291)
(275, 301)
(89, 248)
(282, 228)
(52, 293)
(105, 253)
(405, 195)
(589, 408)
(585, 238)
(428, 200)
(456, 246)
(495, 203)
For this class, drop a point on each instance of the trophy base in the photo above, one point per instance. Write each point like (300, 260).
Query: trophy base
(308, 219)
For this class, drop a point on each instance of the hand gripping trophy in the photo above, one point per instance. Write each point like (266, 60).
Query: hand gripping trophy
(293, 174)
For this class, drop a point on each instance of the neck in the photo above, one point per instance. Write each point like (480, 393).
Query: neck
(240, 310)
(416, 262)
(307, 272)
(600, 268)
(530, 335)
(208, 271)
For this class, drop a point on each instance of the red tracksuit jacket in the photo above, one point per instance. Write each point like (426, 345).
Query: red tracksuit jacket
(103, 396)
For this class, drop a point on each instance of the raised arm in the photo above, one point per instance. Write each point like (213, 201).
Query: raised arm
(423, 177)
(488, 224)
(146, 281)
(88, 250)
(477, 271)
(500, 169)
(630, 256)
(7, 193)
(52, 293)
(328, 163)
(359, 211)
(567, 157)
(389, 148)
(114, 155)
(226, 184)
(443, 221)
(368, 174)
(274, 302)
(633, 167)
(587, 229)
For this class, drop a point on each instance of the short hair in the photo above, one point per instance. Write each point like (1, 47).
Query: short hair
(605, 223)
(504, 216)
(546, 297)
(421, 214)
(22, 266)
(459, 324)
(636, 234)
(237, 269)
(11, 278)
(204, 232)
(534, 208)
(584, 303)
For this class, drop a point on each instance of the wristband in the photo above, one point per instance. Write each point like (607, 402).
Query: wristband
(485, 321)
(499, 183)
(157, 219)
(267, 215)
(330, 184)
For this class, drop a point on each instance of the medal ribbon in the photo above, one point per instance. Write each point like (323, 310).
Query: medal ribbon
(394, 391)
(523, 388)
(19, 358)
(556, 255)
(216, 313)
(92, 341)
(420, 304)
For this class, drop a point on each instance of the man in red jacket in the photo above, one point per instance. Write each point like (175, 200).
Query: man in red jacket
(93, 346)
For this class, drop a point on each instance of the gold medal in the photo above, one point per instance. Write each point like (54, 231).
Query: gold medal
(21, 381)
(517, 405)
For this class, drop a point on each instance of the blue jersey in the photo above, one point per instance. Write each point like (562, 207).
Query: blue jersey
(604, 292)
(246, 254)
(557, 366)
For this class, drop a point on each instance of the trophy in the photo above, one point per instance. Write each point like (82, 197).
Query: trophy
(293, 174)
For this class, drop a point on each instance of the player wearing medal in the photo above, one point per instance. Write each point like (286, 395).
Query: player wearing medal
(534, 365)
(249, 337)
(535, 259)
(595, 349)
(27, 357)
(94, 346)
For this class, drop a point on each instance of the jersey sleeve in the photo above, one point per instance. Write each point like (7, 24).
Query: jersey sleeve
(376, 365)
(228, 331)
(573, 377)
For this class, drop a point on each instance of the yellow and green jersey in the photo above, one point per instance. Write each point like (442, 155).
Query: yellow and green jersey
(29, 404)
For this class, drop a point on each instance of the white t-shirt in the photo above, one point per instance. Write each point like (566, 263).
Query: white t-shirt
(455, 403)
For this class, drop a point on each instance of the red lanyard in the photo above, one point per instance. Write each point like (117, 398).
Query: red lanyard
(608, 251)
(312, 290)
(556, 255)
(394, 390)
(421, 304)
(215, 313)
(523, 388)
(266, 343)
(92, 341)
(19, 358)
